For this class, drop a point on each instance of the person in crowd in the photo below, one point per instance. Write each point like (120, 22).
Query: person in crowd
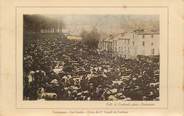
(61, 69)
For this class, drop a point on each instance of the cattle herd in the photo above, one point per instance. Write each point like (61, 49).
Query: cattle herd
(55, 68)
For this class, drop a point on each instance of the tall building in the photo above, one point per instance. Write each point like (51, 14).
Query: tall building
(132, 44)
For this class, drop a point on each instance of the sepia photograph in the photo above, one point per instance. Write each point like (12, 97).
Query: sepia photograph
(91, 57)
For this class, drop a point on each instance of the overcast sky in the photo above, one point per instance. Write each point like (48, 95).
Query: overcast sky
(108, 23)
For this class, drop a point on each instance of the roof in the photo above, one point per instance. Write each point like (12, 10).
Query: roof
(146, 32)
(124, 36)
(129, 35)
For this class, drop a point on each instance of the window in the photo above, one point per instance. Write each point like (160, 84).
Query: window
(142, 36)
(128, 41)
(153, 51)
(152, 43)
(143, 43)
(151, 36)
(133, 43)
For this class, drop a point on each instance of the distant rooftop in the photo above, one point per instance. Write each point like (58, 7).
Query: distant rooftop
(128, 35)
(146, 32)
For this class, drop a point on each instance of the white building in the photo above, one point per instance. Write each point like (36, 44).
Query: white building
(132, 44)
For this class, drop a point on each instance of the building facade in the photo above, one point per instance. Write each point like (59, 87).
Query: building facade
(132, 44)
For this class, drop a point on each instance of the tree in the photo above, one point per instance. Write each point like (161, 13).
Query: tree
(34, 23)
(91, 39)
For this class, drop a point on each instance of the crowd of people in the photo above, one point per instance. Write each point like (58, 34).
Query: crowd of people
(56, 68)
